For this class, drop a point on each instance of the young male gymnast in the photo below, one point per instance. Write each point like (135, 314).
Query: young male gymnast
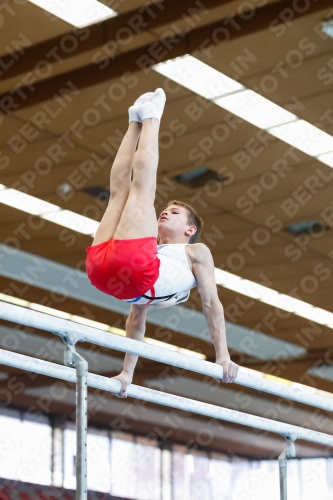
(125, 261)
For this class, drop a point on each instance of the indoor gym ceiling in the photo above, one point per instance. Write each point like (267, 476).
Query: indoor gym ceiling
(239, 236)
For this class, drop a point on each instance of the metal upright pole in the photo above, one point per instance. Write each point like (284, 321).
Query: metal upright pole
(283, 462)
(283, 475)
(73, 358)
(81, 428)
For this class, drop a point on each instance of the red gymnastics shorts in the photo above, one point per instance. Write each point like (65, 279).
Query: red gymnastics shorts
(124, 269)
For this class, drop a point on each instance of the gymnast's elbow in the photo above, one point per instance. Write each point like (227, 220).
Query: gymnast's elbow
(212, 304)
(137, 312)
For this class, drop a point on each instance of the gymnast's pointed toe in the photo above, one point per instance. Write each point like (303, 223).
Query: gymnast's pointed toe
(155, 107)
(147, 97)
(133, 111)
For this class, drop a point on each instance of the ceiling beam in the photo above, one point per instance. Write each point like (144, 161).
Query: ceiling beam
(221, 31)
(121, 28)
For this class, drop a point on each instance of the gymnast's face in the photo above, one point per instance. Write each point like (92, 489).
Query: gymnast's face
(172, 223)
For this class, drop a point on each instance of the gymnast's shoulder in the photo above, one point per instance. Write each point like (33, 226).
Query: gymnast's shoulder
(199, 253)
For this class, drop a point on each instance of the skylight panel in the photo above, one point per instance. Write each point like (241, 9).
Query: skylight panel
(73, 221)
(48, 310)
(327, 159)
(248, 105)
(79, 13)
(305, 137)
(26, 202)
(198, 77)
(273, 298)
(256, 109)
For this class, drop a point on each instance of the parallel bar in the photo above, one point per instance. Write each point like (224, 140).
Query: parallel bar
(106, 384)
(52, 324)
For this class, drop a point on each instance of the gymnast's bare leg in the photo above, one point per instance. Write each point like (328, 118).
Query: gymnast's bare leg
(131, 213)
(120, 183)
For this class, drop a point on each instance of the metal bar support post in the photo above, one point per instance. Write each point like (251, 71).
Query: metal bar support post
(72, 358)
(288, 452)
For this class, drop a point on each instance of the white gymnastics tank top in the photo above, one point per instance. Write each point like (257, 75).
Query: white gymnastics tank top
(175, 278)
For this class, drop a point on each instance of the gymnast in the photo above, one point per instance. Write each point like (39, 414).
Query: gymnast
(130, 262)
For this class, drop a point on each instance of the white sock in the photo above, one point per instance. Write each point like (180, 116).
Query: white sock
(133, 115)
(133, 110)
(148, 96)
(155, 107)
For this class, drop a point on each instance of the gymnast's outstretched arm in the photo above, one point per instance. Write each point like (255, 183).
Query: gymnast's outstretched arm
(135, 329)
(203, 270)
